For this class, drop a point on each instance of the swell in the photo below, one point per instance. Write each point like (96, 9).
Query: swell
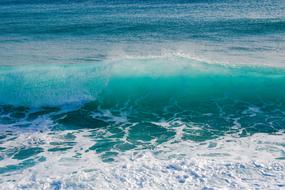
(137, 104)
(136, 28)
(172, 78)
(137, 20)
(148, 97)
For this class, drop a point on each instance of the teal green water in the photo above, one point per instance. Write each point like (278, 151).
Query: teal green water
(218, 99)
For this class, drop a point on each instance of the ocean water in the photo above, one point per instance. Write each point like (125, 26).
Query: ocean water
(154, 94)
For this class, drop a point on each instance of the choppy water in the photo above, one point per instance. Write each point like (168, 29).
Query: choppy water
(142, 94)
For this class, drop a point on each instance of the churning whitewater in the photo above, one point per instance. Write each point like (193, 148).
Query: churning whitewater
(142, 94)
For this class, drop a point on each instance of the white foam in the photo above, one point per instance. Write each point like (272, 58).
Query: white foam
(226, 163)
(107, 116)
(206, 52)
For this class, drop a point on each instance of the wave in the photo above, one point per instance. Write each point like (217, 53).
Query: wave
(48, 85)
(142, 95)
(158, 95)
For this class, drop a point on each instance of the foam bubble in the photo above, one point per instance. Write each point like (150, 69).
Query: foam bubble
(236, 163)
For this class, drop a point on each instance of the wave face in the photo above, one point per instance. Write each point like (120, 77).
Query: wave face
(142, 94)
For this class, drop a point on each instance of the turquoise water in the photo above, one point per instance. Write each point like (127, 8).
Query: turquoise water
(142, 94)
